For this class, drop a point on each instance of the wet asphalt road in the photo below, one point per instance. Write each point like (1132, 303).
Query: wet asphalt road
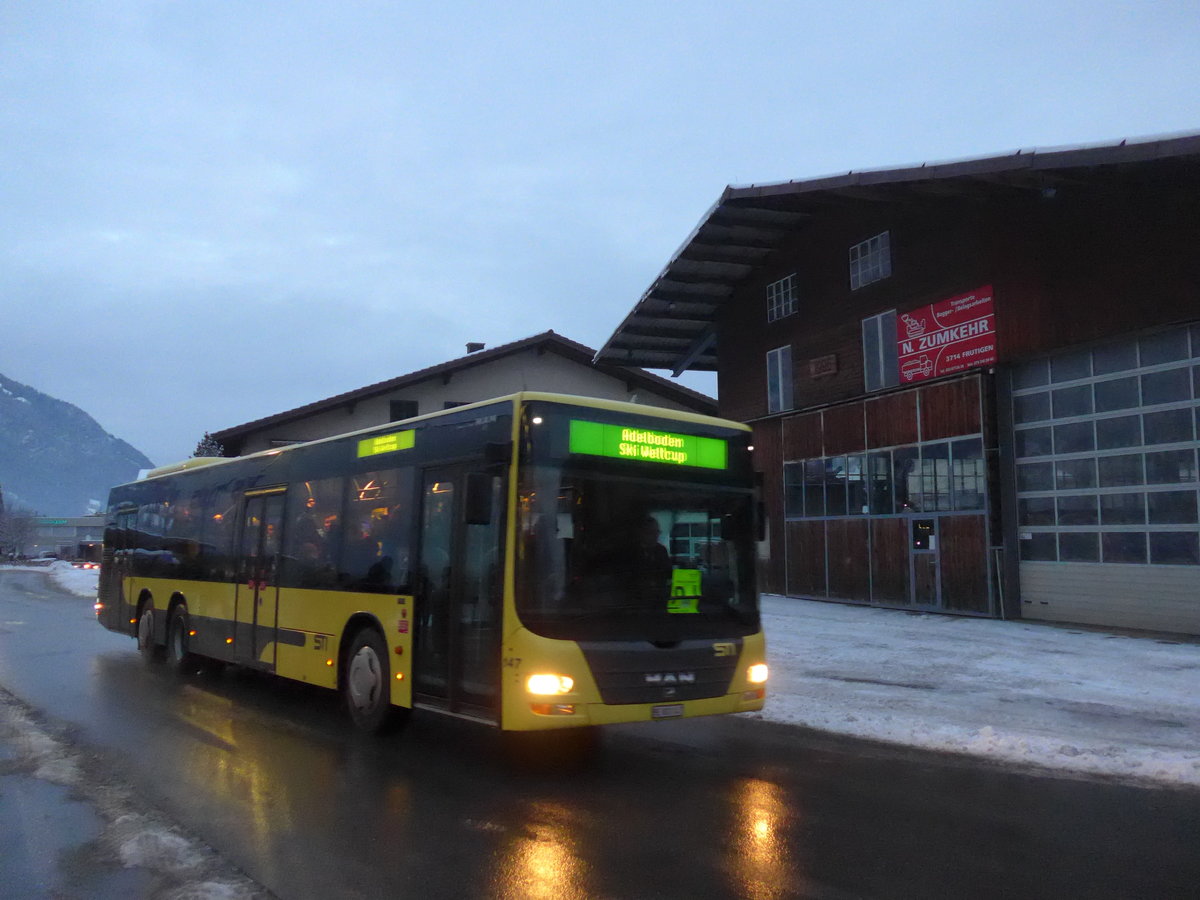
(269, 774)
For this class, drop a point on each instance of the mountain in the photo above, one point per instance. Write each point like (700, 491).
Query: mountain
(54, 457)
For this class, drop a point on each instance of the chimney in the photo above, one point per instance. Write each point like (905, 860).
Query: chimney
(473, 347)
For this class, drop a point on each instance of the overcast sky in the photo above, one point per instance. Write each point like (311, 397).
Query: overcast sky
(214, 211)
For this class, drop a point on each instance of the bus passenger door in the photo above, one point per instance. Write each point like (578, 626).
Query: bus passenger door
(459, 597)
(259, 543)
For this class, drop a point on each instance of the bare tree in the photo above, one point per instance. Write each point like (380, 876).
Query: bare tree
(17, 531)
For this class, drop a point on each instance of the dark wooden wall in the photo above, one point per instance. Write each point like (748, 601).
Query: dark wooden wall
(1065, 271)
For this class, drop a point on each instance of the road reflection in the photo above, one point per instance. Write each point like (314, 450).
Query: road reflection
(762, 859)
(311, 809)
(542, 863)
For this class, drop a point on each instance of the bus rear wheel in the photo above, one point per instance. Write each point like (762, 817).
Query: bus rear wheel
(151, 651)
(178, 656)
(366, 684)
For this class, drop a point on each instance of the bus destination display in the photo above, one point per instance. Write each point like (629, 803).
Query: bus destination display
(624, 442)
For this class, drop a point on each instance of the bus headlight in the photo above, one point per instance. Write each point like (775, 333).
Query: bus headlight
(757, 673)
(546, 685)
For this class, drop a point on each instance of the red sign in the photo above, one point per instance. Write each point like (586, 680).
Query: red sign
(947, 336)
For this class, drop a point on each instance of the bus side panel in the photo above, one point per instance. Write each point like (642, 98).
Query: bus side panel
(311, 626)
(210, 614)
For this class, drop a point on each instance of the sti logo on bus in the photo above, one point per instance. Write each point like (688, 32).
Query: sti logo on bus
(644, 445)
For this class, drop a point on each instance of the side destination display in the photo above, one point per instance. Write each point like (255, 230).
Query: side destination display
(387, 443)
(624, 442)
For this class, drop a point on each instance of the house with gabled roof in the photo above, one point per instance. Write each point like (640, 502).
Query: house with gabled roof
(542, 362)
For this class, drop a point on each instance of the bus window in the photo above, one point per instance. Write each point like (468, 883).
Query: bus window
(221, 517)
(314, 517)
(375, 548)
(183, 536)
(607, 558)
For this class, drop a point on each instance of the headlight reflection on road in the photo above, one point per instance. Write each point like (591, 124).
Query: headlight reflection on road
(542, 863)
(762, 865)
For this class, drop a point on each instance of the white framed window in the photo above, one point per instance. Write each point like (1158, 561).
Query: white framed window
(781, 298)
(881, 368)
(779, 379)
(870, 260)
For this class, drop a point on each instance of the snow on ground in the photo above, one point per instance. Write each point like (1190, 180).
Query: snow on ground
(1015, 692)
(1019, 692)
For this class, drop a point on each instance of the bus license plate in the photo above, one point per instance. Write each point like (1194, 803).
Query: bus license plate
(669, 711)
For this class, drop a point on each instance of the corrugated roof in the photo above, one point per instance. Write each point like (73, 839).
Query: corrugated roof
(672, 325)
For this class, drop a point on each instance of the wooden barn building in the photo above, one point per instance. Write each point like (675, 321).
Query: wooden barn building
(975, 386)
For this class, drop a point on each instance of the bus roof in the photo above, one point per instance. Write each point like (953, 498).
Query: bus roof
(640, 409)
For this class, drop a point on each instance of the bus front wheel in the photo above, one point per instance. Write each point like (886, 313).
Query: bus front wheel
(366, 683)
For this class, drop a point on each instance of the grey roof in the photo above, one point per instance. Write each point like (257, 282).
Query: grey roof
(672, 324)
(547, 341)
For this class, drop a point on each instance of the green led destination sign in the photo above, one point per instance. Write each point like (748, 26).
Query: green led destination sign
(624, 442)
(386, 443)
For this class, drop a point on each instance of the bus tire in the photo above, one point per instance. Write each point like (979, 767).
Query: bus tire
(178, 656)
(366, 683)
(151, 650)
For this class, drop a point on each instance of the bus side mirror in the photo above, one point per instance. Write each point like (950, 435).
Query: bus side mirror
(477, 503)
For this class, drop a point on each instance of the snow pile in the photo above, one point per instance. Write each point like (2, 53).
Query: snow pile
(45, 757)
(1018, 692)
(137, 840)
(73, 580)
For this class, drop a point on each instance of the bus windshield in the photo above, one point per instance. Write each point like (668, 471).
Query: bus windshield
(604, 556)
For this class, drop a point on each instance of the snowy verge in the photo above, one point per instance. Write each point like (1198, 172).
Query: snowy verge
(184, 868)
(1015, 692)
(66, 576)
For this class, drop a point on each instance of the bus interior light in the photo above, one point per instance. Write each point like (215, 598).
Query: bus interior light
(757, 673)
(547, 685)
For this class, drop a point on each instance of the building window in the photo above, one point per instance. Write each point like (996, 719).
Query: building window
(781, 298)
(870, 261)
(880, 366)
(779, 379)
(939, 476)
(451, 404)
(1107, 443)
(401, 409)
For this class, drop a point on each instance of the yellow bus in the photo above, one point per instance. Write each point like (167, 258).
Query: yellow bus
(536, 561)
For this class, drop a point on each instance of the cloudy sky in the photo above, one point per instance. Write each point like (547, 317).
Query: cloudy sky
(213, 211)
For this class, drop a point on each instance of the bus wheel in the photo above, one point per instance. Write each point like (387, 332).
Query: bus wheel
(151, 652)
(178, 656)
(366, 684)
